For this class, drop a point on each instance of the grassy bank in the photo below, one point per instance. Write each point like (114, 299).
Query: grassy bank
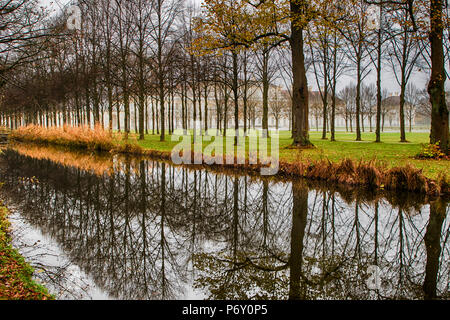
(390, 153)
(16, 281)
(390, 165)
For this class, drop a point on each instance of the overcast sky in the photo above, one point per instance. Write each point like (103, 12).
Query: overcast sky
(388, 79)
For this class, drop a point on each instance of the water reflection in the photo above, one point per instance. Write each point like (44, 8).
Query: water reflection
(146, 230)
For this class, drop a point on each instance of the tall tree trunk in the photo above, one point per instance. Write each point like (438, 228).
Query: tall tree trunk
(436, 87)
(245, 91)
(358, 95)
(109, 85)
(172, 114)
(379, 52)
(403, 86)
(216, 97)
(236, 96)
(87, 107)
(162, 113)
(266, 84)
(141, 85)
(169, 110)
(161, 71)
(206, 106)
(146, 115)
(153, 117)
(183, 107)
(325, 91)
(300, 83)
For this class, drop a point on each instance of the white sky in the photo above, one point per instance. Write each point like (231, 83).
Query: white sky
(388, 79)
(54, 4)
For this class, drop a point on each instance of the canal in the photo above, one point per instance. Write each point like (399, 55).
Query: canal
(116, 227)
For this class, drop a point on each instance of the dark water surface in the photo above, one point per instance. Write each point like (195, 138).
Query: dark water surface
(141, 229)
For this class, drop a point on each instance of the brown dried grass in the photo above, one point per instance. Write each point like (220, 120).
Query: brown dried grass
(81, 137)
(443, 183)
(367, 174)
(406, 178)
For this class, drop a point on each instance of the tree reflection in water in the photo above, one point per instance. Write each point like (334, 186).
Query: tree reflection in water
(148, 230)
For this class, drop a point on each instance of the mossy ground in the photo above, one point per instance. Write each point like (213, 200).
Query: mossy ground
(16, 281)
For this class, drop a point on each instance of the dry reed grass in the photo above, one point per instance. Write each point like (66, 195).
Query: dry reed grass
(368, 174)
(406, 178)
(74, 137)
(83, 137)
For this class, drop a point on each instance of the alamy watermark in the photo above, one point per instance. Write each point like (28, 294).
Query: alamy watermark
(373, 17)
(374, 280)
(254, 147)
(74, 19)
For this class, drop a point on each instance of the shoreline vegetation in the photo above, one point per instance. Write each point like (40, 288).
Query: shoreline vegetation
(354, 169)
(16, 282)
(100, 164)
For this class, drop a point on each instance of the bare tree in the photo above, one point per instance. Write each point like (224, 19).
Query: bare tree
(359, 38)
(404, 52)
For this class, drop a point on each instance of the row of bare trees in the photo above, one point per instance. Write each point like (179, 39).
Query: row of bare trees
(396, 48)
(172, 62)
(135, 54)
(416, 106)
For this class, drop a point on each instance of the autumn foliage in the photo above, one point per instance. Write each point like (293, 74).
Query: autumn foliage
(76, 137)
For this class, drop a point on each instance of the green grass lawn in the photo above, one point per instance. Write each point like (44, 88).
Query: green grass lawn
(390, 152)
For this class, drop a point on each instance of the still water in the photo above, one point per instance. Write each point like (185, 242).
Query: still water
(103, 227)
